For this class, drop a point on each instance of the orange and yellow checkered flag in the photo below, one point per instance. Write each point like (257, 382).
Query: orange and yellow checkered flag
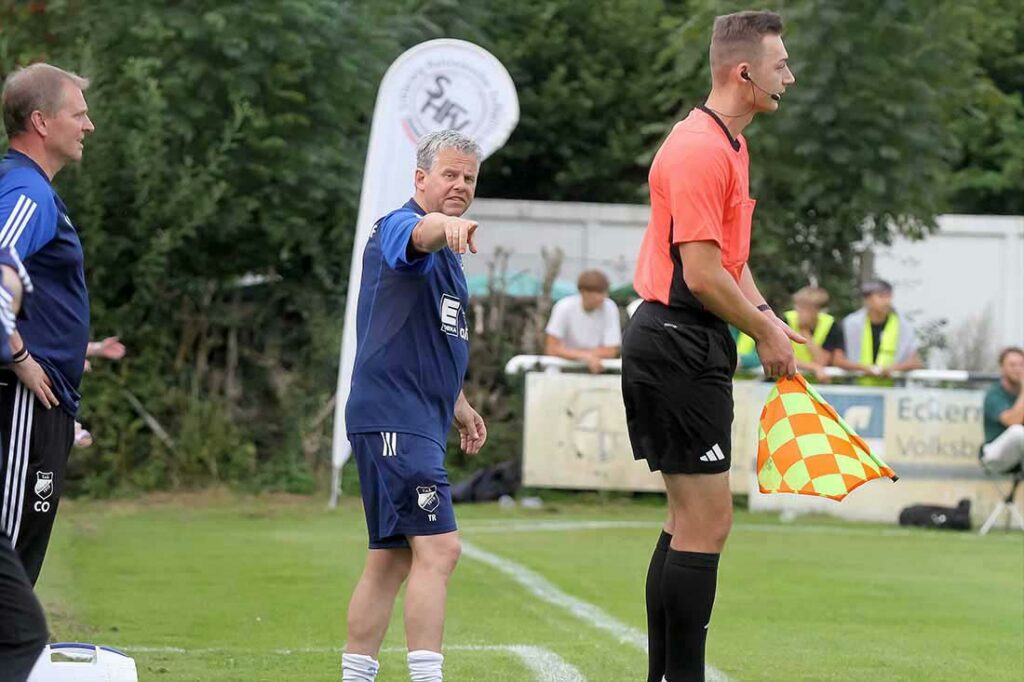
(805, 447)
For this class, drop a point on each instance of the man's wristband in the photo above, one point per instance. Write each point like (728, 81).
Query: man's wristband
(20, 355)
(764, 308)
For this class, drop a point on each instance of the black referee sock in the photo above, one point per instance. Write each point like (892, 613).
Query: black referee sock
(656, 611)
(688, 590)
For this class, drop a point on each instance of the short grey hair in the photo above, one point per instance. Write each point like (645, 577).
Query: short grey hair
(431, 144)
(39, 87)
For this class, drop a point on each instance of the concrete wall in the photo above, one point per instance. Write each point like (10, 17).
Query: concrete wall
(974, 265)
(604, 236)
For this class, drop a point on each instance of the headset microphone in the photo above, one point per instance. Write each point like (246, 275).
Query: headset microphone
(746, 76)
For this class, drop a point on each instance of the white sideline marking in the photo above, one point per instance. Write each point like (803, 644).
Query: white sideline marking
(546, 665)
(487, 528)
(541, 588)
(544, 590)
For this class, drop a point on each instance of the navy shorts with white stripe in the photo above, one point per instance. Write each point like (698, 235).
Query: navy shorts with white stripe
(404, 487)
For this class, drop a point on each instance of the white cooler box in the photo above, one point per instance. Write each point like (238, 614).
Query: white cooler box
(83, 663)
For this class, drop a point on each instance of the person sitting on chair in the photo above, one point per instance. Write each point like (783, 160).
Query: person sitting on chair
(1004, 415)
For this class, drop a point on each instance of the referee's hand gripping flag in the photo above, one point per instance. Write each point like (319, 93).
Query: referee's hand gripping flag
(776, 350)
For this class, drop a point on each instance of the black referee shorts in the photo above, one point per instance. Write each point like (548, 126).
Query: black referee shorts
(677, 367)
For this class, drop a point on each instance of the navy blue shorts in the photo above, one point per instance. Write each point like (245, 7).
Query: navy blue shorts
(404, 486)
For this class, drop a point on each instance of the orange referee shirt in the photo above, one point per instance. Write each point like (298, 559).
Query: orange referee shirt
(700, 191)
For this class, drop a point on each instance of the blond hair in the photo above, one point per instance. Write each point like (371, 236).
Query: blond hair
(39, 87)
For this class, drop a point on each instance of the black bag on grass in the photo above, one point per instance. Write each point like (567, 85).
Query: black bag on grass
(488, 484)
(930, 516)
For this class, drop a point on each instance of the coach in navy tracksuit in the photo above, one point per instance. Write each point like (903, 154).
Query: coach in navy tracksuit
(411, 357)
(46, 119)
(23, 632)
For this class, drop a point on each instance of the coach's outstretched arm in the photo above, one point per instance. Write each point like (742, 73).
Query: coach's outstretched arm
(719, 293)
(438, 230)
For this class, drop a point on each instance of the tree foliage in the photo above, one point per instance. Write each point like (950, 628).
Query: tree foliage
(875, 140)
(216, 200)
(989, 128)
(218, 196)
(860, 149)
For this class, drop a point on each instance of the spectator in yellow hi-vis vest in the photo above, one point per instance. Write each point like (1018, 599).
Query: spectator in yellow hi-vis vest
(819, 328)
(877, 340)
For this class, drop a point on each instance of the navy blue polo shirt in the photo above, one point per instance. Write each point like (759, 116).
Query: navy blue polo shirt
(412, 344)
(35, 222)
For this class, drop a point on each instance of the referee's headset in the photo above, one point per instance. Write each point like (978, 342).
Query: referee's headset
(746, 76)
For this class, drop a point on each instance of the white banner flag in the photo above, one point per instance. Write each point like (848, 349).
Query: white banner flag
(436, 85)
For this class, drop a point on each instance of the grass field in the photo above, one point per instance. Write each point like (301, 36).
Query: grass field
(218, 587)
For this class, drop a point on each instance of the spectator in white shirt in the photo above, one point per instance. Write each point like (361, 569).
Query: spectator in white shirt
(585, 327)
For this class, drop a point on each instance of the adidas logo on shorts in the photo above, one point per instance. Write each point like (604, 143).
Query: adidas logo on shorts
(715, 454)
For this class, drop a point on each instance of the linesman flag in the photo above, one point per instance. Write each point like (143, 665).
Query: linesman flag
(805, 447)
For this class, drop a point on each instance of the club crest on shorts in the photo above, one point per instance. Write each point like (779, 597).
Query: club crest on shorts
(44, 484)
(427, 499)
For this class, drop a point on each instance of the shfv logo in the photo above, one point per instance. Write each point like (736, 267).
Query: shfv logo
(448, 93)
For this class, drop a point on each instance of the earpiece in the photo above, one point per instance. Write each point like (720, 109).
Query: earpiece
(746, 76)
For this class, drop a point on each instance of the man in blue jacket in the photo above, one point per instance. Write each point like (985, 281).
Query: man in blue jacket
(47, 120)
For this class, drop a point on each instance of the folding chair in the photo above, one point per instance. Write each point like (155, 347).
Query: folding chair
(1007, 505)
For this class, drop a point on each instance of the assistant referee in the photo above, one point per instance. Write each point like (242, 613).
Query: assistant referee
(677, 354)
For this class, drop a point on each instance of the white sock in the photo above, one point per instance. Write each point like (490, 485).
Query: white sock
(358, 668)
(425, 666)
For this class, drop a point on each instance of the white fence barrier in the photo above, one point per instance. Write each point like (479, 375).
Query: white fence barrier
(522, 363)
